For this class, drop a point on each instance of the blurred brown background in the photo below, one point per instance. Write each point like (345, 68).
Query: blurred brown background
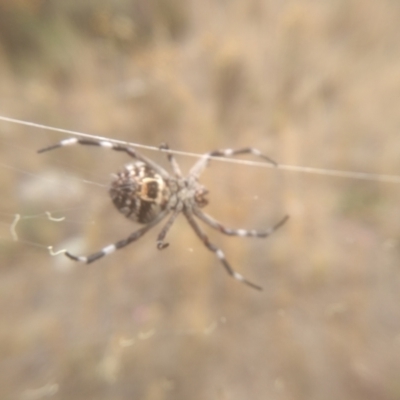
(310, 83)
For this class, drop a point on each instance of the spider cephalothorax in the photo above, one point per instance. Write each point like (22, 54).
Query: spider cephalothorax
(146, 193)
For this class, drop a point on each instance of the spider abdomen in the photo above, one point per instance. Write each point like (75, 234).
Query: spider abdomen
(139, 193)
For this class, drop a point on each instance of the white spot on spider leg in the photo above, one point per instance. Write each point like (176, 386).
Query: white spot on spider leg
(228, 152)
(69, 142)
(239, 277)
(220, 254)
(109, 249)
(106, 144)
(252, 232)
(82, 259)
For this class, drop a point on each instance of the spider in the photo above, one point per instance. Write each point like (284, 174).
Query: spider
(146, 193)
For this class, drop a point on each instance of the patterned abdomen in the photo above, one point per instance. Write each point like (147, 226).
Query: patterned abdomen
(139, 192)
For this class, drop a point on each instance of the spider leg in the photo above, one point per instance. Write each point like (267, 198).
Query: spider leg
(160, 239)
(118, 245)
(237, 232)
(171, 159)
(218, 252)
(199, 167)
(109, 145)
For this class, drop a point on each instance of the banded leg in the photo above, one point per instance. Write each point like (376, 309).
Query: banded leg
(171, 159)
(237, 232)
(199, 167)
(160, 239)
(218, 252)
(109, 145)
(118, 245)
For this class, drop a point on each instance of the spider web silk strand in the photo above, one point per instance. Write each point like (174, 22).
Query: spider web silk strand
(309, 170)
